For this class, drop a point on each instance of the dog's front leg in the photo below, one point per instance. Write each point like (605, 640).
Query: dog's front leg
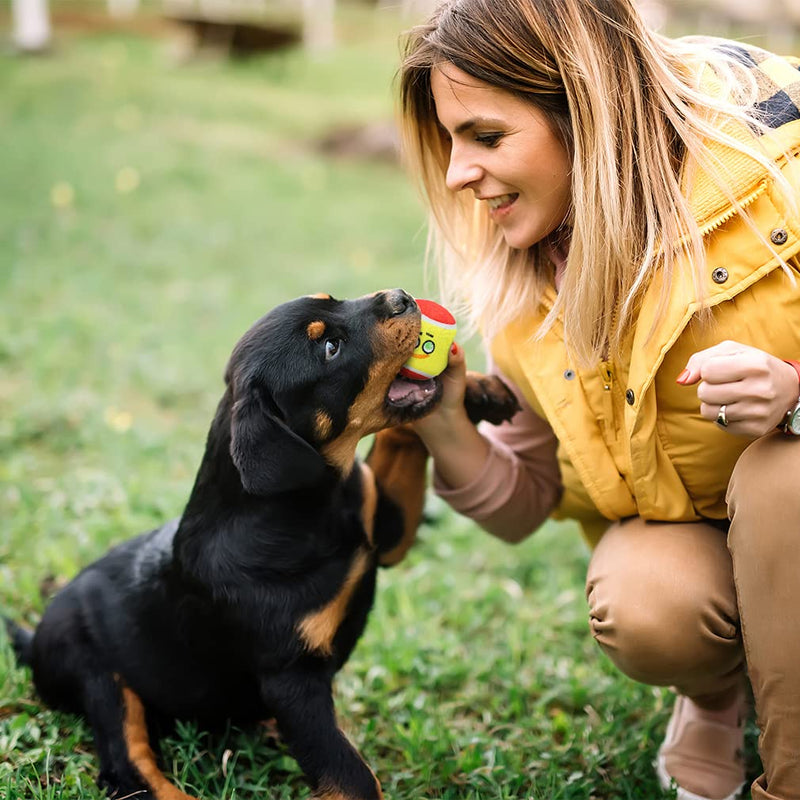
(303, 707)
(398, 460)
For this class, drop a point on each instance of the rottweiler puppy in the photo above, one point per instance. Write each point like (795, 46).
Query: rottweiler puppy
(245, 607)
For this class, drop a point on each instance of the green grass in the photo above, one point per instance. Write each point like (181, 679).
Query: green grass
(119, 304)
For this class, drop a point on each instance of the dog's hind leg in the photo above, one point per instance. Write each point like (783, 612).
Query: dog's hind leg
(398, 461)
(303, 707)
(128, 766)
(101, 702)
(140, 750)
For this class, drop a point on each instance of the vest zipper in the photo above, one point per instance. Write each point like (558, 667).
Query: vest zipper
(607, 378)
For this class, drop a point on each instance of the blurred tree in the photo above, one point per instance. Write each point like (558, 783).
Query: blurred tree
(123, 8)
(31, 25)
(774, 24)
(318, 27)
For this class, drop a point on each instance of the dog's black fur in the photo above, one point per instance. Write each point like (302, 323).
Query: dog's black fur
(245, 607)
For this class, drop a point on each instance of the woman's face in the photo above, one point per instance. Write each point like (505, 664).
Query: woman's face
(505, 151)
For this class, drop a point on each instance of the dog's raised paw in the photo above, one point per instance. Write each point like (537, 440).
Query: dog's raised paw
(487, 397)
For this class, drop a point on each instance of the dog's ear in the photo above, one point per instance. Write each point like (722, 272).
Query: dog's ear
(269, 456)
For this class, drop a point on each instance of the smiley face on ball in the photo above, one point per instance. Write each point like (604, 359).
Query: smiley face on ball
(437, 331)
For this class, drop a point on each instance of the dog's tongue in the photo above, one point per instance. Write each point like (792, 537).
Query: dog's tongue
(405, 392)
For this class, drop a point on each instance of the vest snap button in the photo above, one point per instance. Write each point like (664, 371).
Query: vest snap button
(569, 374)
(779, 236)
(630, 397)
(719, 275)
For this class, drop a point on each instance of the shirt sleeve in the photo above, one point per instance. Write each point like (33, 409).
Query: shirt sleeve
(519, 485)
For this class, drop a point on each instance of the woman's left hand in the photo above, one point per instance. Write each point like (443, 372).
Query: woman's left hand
(753, 388)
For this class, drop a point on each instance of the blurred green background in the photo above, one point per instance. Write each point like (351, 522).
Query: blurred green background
(159, 193)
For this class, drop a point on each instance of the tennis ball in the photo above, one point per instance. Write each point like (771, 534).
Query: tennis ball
(438, 329)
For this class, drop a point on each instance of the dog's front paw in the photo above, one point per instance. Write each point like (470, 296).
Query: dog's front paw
(488, 398)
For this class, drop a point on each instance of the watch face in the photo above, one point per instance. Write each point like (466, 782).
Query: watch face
(793, 425)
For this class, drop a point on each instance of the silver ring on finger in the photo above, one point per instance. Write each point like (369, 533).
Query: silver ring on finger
(722, 416)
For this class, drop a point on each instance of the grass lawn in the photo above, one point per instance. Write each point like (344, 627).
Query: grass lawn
(149, 213)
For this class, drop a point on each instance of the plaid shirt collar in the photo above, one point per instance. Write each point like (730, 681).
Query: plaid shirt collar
(777, 107)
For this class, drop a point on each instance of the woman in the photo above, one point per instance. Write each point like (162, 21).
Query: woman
(617, 212)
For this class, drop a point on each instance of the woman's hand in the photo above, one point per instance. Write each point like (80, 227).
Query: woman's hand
(458, 450)
(450, 409)
(755, 388)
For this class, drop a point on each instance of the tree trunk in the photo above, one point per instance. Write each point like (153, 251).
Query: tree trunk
(31, 19)
(318, 26)
(123, 8)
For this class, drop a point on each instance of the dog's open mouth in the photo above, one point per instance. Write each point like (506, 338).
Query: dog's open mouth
(413, 398)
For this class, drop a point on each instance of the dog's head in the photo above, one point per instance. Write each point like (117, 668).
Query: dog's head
(314, 376)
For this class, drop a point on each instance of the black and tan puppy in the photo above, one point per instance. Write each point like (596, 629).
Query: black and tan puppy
(245, 607)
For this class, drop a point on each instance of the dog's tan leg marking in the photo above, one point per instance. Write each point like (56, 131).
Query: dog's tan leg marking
(398, 460)
(369, 502)
(336, 794)
(319, 628)
(141, 754)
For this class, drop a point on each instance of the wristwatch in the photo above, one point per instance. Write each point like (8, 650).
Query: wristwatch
(791, 422)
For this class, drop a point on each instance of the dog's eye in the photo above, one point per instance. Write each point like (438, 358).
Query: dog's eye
(332, 347)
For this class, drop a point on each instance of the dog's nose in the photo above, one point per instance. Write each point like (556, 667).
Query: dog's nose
(400, 302)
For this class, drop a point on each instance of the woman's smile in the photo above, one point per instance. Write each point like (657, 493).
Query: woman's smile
(497, 205)
(504, 150)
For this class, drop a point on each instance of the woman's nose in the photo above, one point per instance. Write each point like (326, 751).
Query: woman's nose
(461, 171)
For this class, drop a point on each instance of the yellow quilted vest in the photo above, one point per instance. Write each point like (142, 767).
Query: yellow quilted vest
(631, 440)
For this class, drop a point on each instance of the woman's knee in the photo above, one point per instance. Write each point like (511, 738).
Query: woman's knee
(662, 603)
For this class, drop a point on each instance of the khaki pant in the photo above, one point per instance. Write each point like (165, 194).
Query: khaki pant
(689, 606)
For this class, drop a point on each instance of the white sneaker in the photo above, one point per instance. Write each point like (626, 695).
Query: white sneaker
(702, 758)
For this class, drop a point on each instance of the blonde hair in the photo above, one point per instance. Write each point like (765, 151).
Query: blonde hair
(626, 103)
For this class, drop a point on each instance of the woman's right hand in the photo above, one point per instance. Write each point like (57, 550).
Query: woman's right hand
(458, 449)
(450, 410)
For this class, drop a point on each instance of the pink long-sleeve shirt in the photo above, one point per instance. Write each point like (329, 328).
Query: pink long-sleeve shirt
(519, 485)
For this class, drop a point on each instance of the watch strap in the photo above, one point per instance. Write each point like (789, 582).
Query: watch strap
(784, 425)
(794, 364)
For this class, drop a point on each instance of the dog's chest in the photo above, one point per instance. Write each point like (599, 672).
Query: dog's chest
(336, 624)
(339, 621)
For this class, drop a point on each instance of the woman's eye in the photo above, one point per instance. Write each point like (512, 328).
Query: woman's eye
(488, 139)
(332, 348)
